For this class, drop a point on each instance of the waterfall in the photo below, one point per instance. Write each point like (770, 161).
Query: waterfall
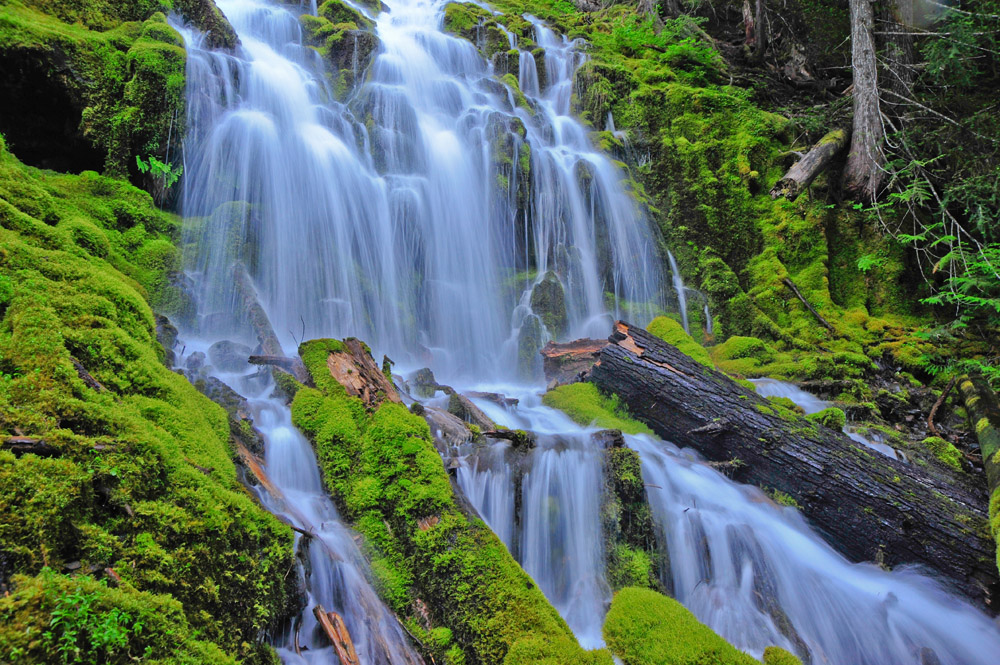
(679, 288)
(427, 212)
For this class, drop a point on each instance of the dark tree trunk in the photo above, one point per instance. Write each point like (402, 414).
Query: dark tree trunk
(804, 171)
(869, 507)
(865, 168)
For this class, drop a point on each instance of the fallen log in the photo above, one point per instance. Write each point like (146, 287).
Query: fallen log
(571, 361)
(983, 407)
(293, 366)
(867, 506)
(336, 631)
(804, 171)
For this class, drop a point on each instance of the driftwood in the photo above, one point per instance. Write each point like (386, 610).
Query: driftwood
(293, 366)
(336, 631)
(355, 369)
(804, 171)
(983, 407)
(249, 304)
(812, 310)
(869, 507)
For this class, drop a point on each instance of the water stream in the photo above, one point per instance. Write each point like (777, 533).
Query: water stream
(422, 213)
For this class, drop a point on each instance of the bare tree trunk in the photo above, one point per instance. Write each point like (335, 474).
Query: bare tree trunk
(865, 170)
(756, 30)
(896, 39)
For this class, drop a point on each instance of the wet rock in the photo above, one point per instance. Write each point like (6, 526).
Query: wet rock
(548, 301)
(608, 438)
(241, 425)
(195, 361)
(529, 343)
(497, 398)
(462, 407)
(423, 383)
(448, 429)
(229, 356)
(166, 335)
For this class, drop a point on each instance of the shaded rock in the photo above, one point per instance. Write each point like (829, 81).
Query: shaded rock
(447, 428)
(548, 301)
(423, 383)
(195, 361)
(529, 342)
(462, 406)
(497, 398)
(166, 335)
(608, 438)
(229, 356)
(241, 425)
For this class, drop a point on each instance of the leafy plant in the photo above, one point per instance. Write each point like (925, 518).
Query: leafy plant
(81, 633)
(168, 172)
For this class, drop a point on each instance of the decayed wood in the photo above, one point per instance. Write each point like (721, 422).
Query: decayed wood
(865, 168)
(983, 407)
(23, 445)
(571, 361)
(250, 306)
(804, 171)
(355, 369)
(812, 310)
(868, 506)
(257, 469)
(336, 631)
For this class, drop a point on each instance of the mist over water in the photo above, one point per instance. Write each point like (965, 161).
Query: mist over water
(419, 213)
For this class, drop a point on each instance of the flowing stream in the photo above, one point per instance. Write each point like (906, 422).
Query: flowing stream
(451, 223)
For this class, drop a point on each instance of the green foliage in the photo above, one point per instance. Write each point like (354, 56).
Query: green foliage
(389, 480)
(944, 451)
(778, 656)
(647, 628)
(84, 257)
(585, 405)
(167, 172)
(672, 332)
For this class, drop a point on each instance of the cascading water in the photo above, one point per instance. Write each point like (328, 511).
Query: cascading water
(678, 282)
(422, 215)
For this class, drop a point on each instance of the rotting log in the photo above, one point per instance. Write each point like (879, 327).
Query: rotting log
(804, 171)
(867, 506)
(249, 304)
(983, 408)
(570, 362)
(25, 445)
(355, 369)
(336, 631)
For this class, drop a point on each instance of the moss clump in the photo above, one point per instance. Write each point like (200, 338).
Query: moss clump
(384, 471)
(778, 656)
(53, 618)
(647, 628)
(633, 558)
(587, 406)
(672, 332)
(944, 451)
(831, 417)
(122, 489)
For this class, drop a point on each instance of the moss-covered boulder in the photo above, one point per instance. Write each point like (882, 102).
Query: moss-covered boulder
(644, 627)
(429, 559)
(139, 477)
(548, 301)
(346, 40)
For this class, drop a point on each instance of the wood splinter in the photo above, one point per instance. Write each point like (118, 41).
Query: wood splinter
(336, 631)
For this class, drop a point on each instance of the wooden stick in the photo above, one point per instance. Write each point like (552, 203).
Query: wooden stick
(336, 631)
(823, 322)
(937, 405)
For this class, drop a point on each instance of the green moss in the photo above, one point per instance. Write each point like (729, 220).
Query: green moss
(672, 332)
(778, 656)
(585, 405)
(647, 628)
(389, 480)
(510, 81)
(123, 490)
(944, 451)
(831, 417)
(96, 624)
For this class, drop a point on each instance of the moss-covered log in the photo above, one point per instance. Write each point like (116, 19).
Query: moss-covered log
(869, 507)
(438, 568)
(804, 171)
(983, 408)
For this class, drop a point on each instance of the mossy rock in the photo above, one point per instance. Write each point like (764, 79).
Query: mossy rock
(587, 406)
(548, 301)
(944, 451)
(644, 627)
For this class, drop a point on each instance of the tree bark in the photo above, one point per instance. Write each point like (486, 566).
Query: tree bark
(865, 168)
(336, 631)
(804, 171)
(571, 361)
(355, 369)
(869, 507)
